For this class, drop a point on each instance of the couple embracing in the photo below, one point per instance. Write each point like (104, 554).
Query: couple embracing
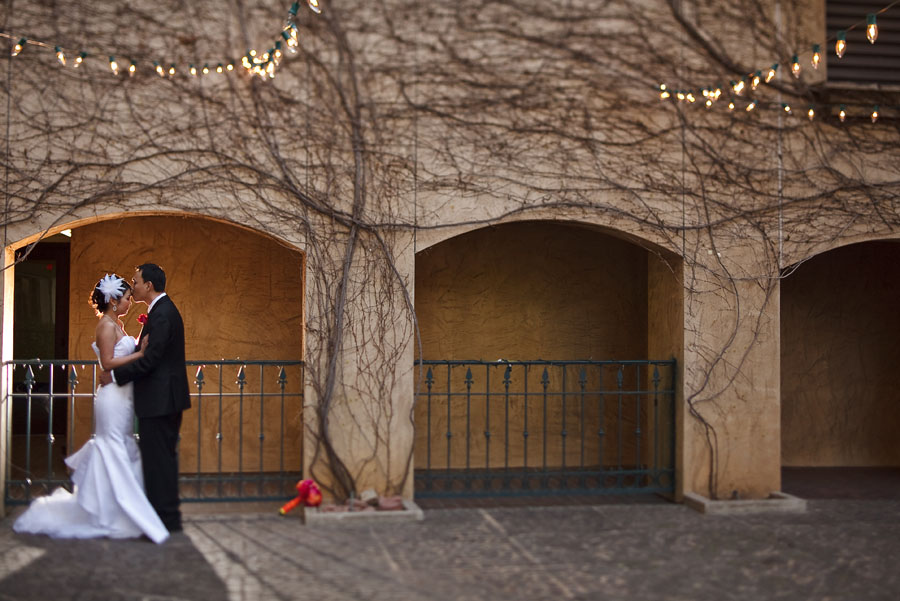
(125, 489)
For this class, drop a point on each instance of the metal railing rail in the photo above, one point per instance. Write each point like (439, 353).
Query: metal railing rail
(33, 470)
(562, 427)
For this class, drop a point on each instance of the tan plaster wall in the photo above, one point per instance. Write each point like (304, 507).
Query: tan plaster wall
(839, 358)
(241, 297)
(529, 291)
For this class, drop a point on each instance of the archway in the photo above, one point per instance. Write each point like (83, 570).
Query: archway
(839, 355)
(241, 295)
(548, 364)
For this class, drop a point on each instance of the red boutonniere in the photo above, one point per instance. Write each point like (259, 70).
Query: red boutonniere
(142, 318)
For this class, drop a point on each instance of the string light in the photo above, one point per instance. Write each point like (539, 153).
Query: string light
(159, 69)
(840, 46)
(663, 91)
(172, 70)
(875, 114)
(871, 28)
(193, 70)
(132, 68)
(738, 87)
(843, 113)
(795, 66)
(79, 59)
(314, 6)
(690, 97)
(60, 56)
(679, 95)
(754, 81)
(771, 74)
(219, 68)
(731, 104)
(206, 69)
(113, 65)
(20, 45)
(811, 112)
(786, 108)
(815, 57)
(751, 106)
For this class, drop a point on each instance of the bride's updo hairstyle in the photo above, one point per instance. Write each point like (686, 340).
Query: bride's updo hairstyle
(109, 288)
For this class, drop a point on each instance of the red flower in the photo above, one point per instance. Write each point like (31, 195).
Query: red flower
(142, 318)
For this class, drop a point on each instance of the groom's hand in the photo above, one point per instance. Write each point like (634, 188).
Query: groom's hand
(105, 378)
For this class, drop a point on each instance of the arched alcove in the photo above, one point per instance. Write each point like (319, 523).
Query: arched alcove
(565, 293)
(839, 357)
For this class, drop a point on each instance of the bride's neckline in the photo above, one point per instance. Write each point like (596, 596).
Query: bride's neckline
(118, 326)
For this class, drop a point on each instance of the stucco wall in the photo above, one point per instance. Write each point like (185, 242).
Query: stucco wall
(530, 291)
(241, 296)
(839, 358)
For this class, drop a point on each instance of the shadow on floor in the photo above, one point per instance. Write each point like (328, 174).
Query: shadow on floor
(842, 482)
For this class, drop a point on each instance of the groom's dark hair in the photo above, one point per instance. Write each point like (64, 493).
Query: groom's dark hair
(153, 273)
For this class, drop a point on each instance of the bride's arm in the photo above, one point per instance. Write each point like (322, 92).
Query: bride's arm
(106, 342)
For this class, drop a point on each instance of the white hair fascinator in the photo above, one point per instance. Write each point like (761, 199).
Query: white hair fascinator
(111, 286)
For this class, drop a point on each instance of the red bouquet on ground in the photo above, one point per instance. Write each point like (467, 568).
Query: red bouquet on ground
(308, 493)
(142, 318)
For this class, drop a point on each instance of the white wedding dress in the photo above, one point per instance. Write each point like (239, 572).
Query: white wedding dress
(108, 498)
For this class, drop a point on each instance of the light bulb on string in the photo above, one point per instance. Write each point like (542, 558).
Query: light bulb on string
(811, 112)
(291, 42)
(842, 114)
(19, 47)
(754, 81)
(738, 87)
(193, 70)
(230, 66)
(815, 57)
(751, 106)
(172, 70)
(219, 68)
(270, 69)
(709, 102)
(795, 66)
(786, 107)
(205, 70)
(717, 93)
(276, 52)
(79, 59)
(60, 56)
(113, 65)
(731, 104)
(690, 97)
(875, 113)
(159, 69)
(314, 6)
(663, 91)
(840, 46)
(132, 68)
(771, 74)
(679, 95)
(871, 28)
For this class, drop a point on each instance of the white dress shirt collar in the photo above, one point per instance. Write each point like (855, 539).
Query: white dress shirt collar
(155, 300)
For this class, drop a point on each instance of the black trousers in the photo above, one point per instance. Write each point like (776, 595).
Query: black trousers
(159, 443)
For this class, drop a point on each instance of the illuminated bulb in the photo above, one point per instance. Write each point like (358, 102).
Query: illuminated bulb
(663, 92)
(252, 53)
(755, 80)
(811, 113)
(159, 69)
(771, 72)
(132, 68)
(731, 105)
(690, 97)
(314, 6)
(219, 68)
(875, 114)
(230, 67)
(277, 51)
(680, 95)
(60, 56)
(786, 107)
(291, 42)
(871, 28)
(841, 45)
(718, 93)
(206, 69)
(20, 45)
(193, 70)
(795, 66)
(270, 69)
(708, 103)
(738, 87)
(171, 69)
(843, 113)
(815, 57)
(113, 65)
(751, 106)
(79, 59)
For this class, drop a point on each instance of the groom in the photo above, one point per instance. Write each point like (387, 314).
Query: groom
(161, 392)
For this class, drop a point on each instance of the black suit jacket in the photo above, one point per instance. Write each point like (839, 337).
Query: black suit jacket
(160, 377)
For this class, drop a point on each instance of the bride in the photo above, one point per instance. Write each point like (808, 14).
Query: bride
(108, 498)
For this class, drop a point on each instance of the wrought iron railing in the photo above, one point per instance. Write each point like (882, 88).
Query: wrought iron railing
(241, 440)
(544, 427)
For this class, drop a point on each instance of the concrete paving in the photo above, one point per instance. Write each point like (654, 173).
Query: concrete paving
(838, 549)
